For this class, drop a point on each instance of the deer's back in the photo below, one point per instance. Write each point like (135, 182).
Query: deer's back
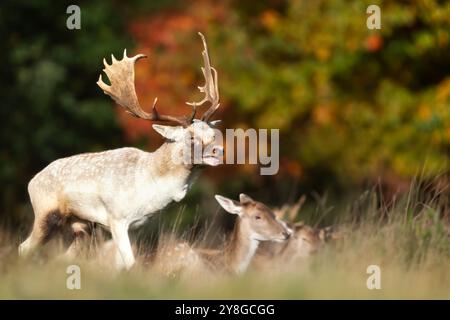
(108, 168)
(83, 184)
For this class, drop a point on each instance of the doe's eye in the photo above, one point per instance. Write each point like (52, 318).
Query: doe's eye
(257, 217)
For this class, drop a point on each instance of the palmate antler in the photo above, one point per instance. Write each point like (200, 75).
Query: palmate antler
(123, 92)
(211, 88)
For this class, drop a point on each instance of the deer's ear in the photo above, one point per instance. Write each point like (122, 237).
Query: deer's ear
(245, 199)
(229, 205)
(169, 132)
(280, 213)
(214, 123)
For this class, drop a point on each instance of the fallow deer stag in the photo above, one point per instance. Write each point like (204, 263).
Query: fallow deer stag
(123, 187)
(255, 223)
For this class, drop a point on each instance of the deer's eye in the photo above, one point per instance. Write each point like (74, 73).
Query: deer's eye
(257, 217)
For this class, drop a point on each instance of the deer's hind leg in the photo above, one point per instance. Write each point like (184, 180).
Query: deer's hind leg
(86, 210)
(48, 217)
(44, 227)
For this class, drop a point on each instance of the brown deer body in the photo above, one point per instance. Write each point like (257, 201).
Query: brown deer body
(255, 224)
(121, 188)
(304, 241)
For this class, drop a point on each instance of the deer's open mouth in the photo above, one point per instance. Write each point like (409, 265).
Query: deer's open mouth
(211, 160)
(280, 239)
(214, 157)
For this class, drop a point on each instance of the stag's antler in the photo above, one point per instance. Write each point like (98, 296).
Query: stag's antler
(210, 89)
(123, 92)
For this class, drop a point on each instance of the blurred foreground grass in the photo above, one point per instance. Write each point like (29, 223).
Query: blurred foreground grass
(409, 240)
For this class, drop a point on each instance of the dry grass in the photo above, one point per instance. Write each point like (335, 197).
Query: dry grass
(409, 240)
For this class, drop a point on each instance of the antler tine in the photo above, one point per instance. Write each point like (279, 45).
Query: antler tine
(210, 89)
(123, 92)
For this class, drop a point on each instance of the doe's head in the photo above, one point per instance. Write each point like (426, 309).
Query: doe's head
(305, 240)
(256, 219)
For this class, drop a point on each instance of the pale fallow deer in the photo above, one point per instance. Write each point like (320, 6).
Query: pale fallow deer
(123, 187)
(255, 224)
(305, 240)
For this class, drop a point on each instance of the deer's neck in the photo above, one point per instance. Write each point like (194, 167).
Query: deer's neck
(166, 160)
(241, 249)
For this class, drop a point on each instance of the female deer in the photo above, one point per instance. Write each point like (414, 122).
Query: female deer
(304, 241)
(255, 223)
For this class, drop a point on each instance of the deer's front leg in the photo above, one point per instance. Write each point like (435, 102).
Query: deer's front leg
(124, 252)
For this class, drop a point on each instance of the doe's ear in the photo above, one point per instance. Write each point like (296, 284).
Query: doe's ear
(169, 132)
(229, 205)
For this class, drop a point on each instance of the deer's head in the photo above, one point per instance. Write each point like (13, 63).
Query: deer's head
(196, 144)
(188, 132)
(306, 240)
(257, 220)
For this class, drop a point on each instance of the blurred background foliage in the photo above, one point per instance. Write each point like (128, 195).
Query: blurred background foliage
(354, 106)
